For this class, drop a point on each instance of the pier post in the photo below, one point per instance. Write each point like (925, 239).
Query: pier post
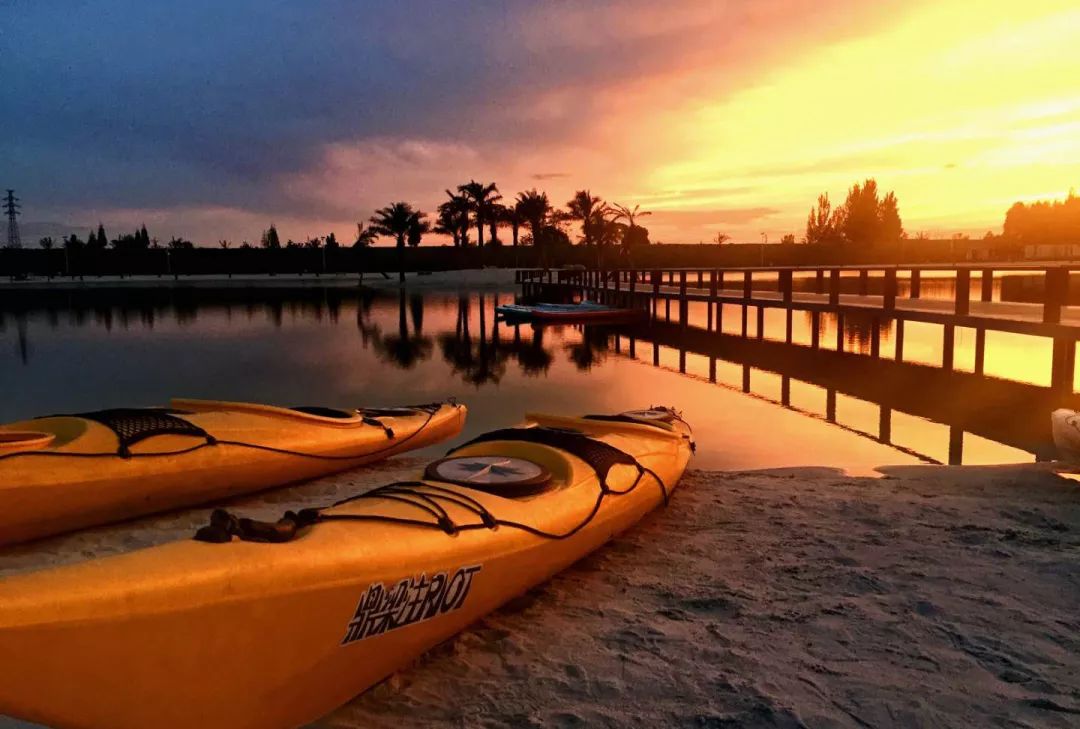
(830, 405)
(987, 284)
(785, 390)
(834, 287)
(819, 281)
(815, 325)
(744, 316)
(655, 276)
(963, 292)
(747, 286)
(712, 301)
(885, 424)
(786, 286)
(712, 369)
(864, 282)
(1056, 294)
(682, 360)
(875, 338)
(888, 299)
(956, 445)
(788, 327)
(947, 341)
(839, 331)
(916, 283)
(980, 350)
(761, 322)
(633, 348)
(683, 304)
(1063, 366)
(746, 378)
(899, 340)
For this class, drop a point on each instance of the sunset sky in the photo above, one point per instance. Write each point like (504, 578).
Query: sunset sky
(211, 119)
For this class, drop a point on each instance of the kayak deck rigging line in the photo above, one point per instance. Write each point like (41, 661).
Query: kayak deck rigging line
(600, 456)
(132, 425)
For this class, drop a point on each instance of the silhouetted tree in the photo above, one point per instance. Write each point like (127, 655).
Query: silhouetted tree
(224, 244)
(396, 221)
(512, 217)
(864, 218)
(180, 244)
(533, 207)
(788, 239)
(482, 197)
(722, 238)
(590, 210)
(496, 216)
(144, 237)
(1044, 221)
(102, 239)
(332, 242)
(364, 236)
(417, 228)
(47, 243)
(454, 218)
(861, 221)
(270, 238)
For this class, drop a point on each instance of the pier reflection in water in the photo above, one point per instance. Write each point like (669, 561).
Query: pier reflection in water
(755, 402)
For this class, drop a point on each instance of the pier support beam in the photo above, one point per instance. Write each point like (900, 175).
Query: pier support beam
(885, 424)
(948, 340)
(1063, 366)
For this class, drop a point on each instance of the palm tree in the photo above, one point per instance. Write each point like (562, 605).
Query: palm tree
(589, 210)
(512, 217)
(417, 228)
(364, 236)
(533, 208)
(454, 218)
(396, 221)
(482, 197)
(496, 216)
(621, 212)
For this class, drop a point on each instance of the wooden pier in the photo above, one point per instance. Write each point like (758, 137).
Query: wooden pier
(876, 292)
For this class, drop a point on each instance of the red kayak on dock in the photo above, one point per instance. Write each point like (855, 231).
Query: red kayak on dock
(587, 312)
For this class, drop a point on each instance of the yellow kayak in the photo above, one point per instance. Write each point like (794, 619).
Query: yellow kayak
(226, 631)
(72, 471)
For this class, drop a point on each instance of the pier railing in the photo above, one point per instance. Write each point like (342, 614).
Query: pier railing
(1038, 305)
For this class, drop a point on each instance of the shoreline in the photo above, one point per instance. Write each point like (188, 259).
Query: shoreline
(931, 596)
(472, 279)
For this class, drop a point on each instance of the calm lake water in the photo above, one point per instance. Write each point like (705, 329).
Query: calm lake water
(753, 403)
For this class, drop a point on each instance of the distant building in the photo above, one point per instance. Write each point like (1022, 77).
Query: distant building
(1052, 251)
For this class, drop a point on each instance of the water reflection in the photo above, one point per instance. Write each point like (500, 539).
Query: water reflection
(88, 349)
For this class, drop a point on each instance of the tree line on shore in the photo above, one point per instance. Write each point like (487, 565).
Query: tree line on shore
(866, 217)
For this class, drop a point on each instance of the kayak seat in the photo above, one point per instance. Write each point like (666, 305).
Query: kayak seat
(600, 456)
(133, 425)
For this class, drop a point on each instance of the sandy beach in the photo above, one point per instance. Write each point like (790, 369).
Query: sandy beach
(930, 597)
